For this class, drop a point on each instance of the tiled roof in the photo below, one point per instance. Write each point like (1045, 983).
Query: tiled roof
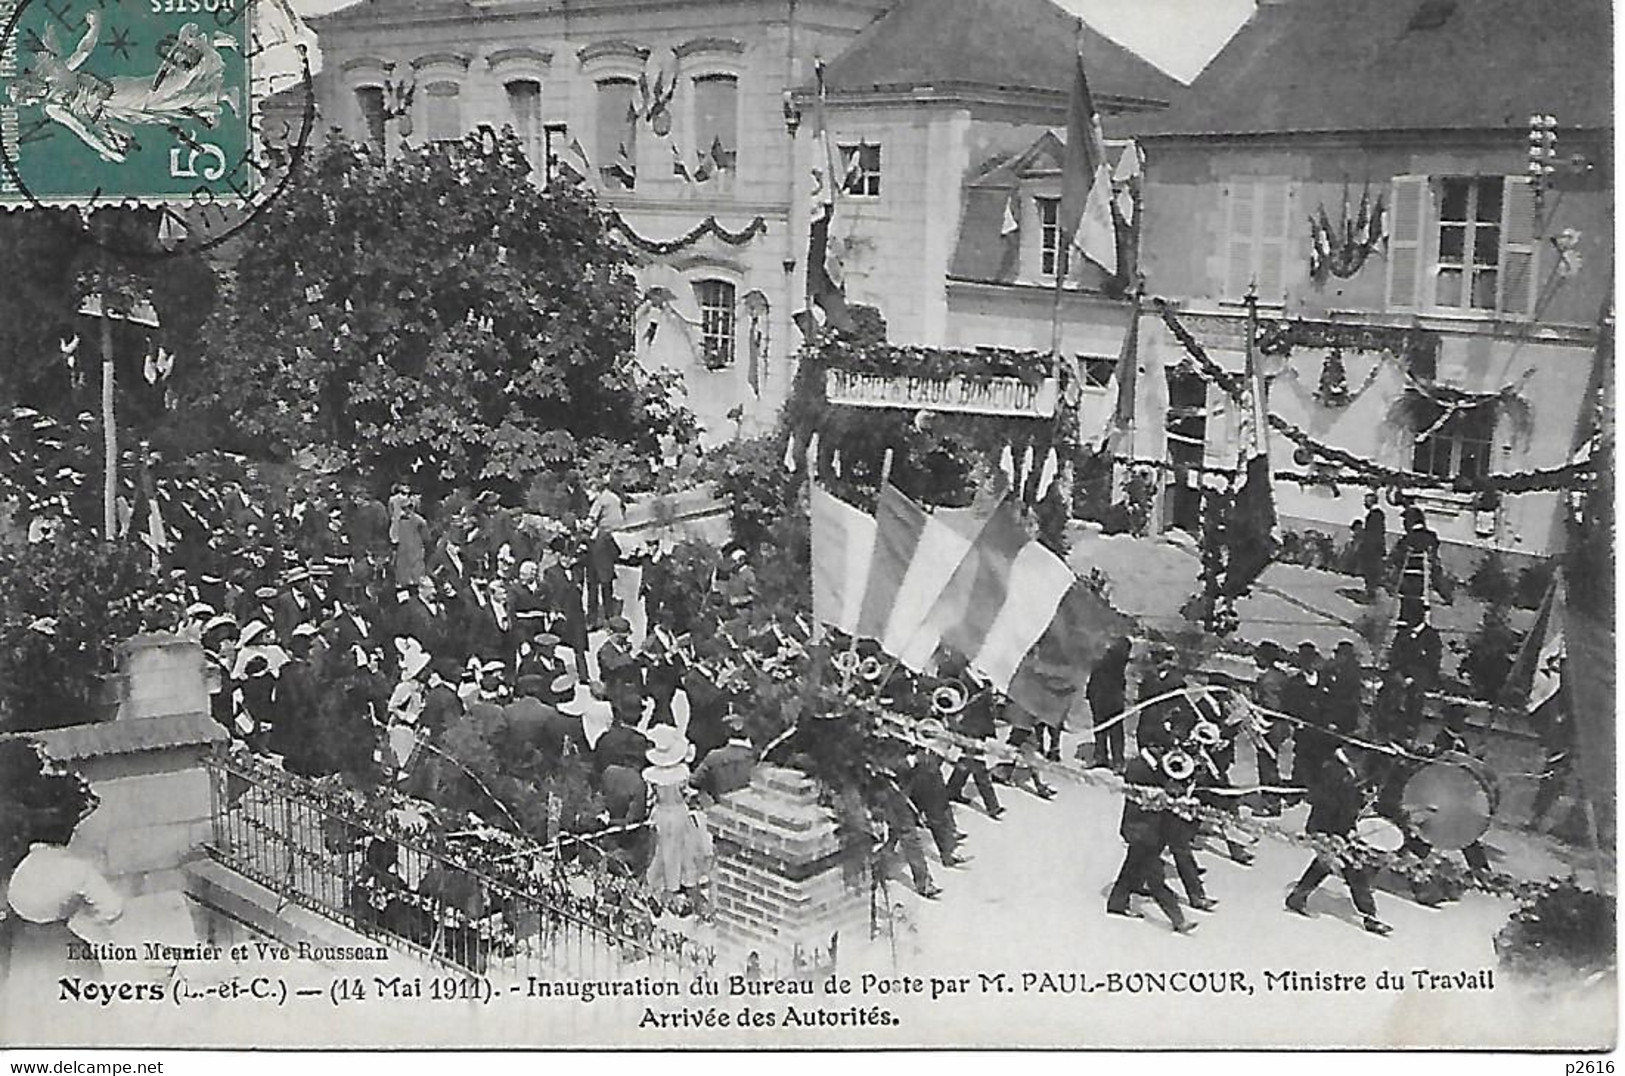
(1381, 65)
(130, 736)
(1009, 44)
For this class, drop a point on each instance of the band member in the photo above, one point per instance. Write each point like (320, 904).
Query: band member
(1371, 547)
(975, 722)
(1108, 692)
(1336, 799)
(1146, 828)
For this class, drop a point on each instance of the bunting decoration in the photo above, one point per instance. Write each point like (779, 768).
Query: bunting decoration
(710, 227)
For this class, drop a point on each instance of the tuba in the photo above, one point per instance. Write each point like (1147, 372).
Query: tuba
(1206, 734)
(871, 669)
(845, 662)
(1177, 765)
(949, 699)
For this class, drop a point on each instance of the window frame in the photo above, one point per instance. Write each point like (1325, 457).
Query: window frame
(433, 91)
(1470, 268)
(607, 156)
(730, 146)
(379, 140)
(1054, 259)
(1468, 434)
(865, 183)
(719, 322)
(533, 140)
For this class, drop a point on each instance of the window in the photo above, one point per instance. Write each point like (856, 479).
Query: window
(1052, 257)
(860, 165)
(1469, 242)
(716, 118)
(716, 322)
(1098, 373)
(1463, 243)
(442, 117)
(525, 113)
(1257, 249)
(617, 127)
(1458, 447)
(556, 137)
(369, 101)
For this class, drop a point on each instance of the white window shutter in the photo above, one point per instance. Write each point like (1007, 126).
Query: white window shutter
(1274, 228)
(1519, 246)
(1240, 229)
(1408, 203)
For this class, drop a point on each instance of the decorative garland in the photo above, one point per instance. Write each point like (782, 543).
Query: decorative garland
(1280, 337)
(1571, 476)
(710, 226)
(1030, 367)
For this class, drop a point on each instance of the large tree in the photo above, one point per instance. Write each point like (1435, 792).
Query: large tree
(440, 315)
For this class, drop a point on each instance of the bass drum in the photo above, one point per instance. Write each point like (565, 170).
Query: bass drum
(1451, 800)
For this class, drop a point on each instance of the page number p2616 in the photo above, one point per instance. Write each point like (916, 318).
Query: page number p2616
(1603, 1067)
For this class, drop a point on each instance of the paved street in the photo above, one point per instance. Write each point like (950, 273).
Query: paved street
(1033, 899)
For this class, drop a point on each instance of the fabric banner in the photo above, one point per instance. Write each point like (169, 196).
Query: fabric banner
(1050, 675)
(843, 540)
(964, 612)
(899, 522)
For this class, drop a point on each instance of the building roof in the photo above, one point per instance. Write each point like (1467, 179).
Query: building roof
(991, 44)
(1388, 65)
(130, 736)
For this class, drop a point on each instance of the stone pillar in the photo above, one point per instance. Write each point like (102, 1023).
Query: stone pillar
(781, 880)
(162, 675)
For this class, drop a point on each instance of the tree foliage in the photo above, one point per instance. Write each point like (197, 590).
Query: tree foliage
(38, 802)
(64, 606)
(438, 318)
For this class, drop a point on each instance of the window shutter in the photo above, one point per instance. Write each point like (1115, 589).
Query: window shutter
(1274, 226)
(1239, 231)
(1519, 235)
(1408, 202)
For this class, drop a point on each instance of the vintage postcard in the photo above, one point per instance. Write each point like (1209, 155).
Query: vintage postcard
(829, 524)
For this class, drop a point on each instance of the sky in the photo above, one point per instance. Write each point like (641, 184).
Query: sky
(1179, 36)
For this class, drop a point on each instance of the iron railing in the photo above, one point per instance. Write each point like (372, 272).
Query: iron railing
(506, 912)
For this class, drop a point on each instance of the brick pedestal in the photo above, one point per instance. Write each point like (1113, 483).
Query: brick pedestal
(783, 888)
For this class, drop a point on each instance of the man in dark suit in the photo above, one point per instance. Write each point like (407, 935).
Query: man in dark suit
(975, 722)
(1107, 692)
(621, 745)
(1336, 798)
(922, 781)
(1147, 830)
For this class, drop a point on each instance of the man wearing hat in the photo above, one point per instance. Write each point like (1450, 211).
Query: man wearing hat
(441, 705)
(662, 673)
(616, 661)
(975, 722)
(736, 581)
(1336, 798)
(622, 744)
(606, 513)
(1107, 692)
(569, 620)
(539, 657)
(727, 768)
(1415, 563)
(1269, 691)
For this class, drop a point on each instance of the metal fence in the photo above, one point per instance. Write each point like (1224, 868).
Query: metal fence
(510, 915)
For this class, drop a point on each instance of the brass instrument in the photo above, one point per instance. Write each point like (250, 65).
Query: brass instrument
(1206, 734)
(1177, 764)
(845, 662)
(949, 699)
(871, 669)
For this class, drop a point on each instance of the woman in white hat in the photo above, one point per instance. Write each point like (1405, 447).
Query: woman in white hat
(682, 852)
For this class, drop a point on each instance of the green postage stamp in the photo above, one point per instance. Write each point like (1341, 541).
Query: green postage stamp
(107, 102)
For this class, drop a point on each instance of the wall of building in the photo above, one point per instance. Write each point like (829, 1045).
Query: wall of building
(1185, 247)
(768, 46)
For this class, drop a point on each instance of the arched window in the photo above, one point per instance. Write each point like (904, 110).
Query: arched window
(525, 113)
(717, 322)
(716, 118)
(369, 101)
(617, 126)
(442, 112)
